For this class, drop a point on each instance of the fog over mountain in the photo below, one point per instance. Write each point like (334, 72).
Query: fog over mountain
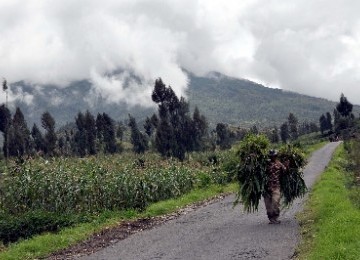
(311, 47)
(219, 97)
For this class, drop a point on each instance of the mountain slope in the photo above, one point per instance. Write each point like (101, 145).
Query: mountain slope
(219, 98)
(242, 102)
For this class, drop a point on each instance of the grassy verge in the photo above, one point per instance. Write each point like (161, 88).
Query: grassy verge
(43, 245)
(330, 223)
(309, 149)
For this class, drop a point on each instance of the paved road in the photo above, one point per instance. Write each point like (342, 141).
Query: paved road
(219, 231)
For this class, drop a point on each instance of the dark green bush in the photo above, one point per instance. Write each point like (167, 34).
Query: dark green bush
(13, 228)
(203, 179)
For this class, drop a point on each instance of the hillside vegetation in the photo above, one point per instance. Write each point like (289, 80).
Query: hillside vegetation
(243, 102)
(220, 99)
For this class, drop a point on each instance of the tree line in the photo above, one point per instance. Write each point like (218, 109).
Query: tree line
(341, 122)
(173, 131)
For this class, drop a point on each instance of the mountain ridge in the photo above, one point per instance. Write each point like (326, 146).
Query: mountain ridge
(220, 98)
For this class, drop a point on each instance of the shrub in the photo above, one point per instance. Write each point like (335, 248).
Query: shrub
(12, 228)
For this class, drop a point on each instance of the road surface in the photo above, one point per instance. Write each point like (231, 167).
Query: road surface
(219, 231)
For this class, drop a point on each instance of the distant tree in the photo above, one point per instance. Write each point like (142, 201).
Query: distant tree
(38, 140)
(343, 118)
(138, 139)
(284, 132)
(329, 124)
(20, 143)
(223, 136)
(61, 144)
(164, 138)
(5, 126)
(90, 128)
(308, 127)
(274, 137)
(314, 127)
(106, 133)
(85, 135)
(48, 123)
(198, 130)
(293, 126)
(344, 107)
(154, 120)
(80, 135)
(148, 126)
(254, 130)
(176, 132)
(5, 118)
(337, 116)
(323, 123)
(120, 131)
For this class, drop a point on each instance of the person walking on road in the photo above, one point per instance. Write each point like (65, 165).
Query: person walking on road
(272, 190)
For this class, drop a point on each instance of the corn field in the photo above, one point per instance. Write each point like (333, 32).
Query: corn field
(90, 185)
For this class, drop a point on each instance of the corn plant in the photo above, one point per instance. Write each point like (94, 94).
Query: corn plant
(91, 185)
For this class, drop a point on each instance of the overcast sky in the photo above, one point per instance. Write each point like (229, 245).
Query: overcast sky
(307, 46)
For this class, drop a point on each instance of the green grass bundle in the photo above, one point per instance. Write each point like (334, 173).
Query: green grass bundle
(251, 170)
(252, 177)
(292, 184)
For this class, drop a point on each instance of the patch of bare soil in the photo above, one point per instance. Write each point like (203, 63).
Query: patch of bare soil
(112, 235)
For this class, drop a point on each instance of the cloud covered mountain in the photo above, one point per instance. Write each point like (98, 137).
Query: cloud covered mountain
(219, 97)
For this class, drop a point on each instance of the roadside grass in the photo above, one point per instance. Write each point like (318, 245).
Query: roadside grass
(42, 245)
(309, 149)
(330, 223)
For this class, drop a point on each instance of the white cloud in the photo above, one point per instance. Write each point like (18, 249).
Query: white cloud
(312, 47)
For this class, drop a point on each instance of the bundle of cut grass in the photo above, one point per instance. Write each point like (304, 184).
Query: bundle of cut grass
(292, 184)
(252, 172)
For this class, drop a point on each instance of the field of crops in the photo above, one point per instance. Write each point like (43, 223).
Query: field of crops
(73, 186)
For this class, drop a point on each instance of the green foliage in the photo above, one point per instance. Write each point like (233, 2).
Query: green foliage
(223, 136)
(138, 139)
(204, 180)
(344, 107)
(12, 228)
(251, 171)
(252, 176)
(353, 169)
(293, 126)
(292, 184)
(19, 135)
(176, 133)
(40, 247)
(39, 142)
(106, 133)
(330, 223)
(48, 123)
(75, 186)
(46, 195)
(284, 132)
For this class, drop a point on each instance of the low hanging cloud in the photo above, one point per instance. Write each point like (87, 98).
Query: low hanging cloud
(311, 47)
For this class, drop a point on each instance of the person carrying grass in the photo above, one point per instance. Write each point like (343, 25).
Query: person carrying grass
(272, 194)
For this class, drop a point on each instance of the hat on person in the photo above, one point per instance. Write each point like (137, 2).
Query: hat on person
(272, 153)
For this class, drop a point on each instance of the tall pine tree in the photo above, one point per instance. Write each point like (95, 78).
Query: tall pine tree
(48, 123)
(138, 139)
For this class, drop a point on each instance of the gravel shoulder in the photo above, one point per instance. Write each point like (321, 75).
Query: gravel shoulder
(217, 230)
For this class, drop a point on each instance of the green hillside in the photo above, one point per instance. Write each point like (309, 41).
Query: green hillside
(242, 102)
(220, 98)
